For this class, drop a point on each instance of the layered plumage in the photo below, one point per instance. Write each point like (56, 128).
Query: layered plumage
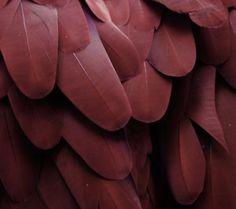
(117, 104)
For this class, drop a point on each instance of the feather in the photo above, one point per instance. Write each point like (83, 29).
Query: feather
(35, 116)
(184, 161)
(34, 202)
(201, 108)
(140, 28)
(173, 50)
(119, 11)
(120, 49)
(99, 9)
(56, 3)
(73, 32)
(143, 17)
(33, 35)
(3, 3)
(104, 102)
(139, 138)
(229, 3)
(53, 190)
(205, 13)
(214, 44)
(149, 94)
(7, 15)
(227, 70)
(19, 166)
(92, 191)
(5, 80)
(106, 153)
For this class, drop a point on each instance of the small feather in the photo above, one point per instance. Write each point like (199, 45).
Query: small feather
(73, 32)
(120, 49)
(119, 11)
(214, 44)
(99, 9)
(184, 160)
(227, 70)
(19, 166)
(106, 153)
(205, 13)
(40, 120)
(105, 102)
(173, 50)
(92, 191)
(33, 35)
(53, 190)
(201, 107)
(5, 80)
(149, 94)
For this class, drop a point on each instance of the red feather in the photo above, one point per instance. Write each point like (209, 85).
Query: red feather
(73, 32)
(33, 35)
(173, 50)
(201, 107)
(56, 3)
(149, 94)
(99, 9)
(105, 102)
(19, 166)
(106, 153)
(41, 120)
(214, 44)
(184, 161)
(119, 11)
(227, 70)
(120, 49)
(53, 190)
(92, 191)
(205, 13)
(5, 80)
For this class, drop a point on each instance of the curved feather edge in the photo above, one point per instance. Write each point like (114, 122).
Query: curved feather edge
(105, 101)
(106, 153)
(149, 94)
(227, 70)
(173, 50)
(37, 115)
(52, 188)
(184, 160)
(19, 167)
(73, 32)
(120, 49)
(34, 35)
(91, 191)
(201, 108)
(205, 13)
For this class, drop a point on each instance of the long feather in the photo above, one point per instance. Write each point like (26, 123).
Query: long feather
(41, 120)
(184, 161)
(120, 49)
(19, 166)
(173, 50)
(205, 13)
(5, 80)
(106, 153)
(149, 94)
(73, 32)
(91, 191)
(214, 44)
(29, 48)
(52, 189)
(104, 102)
(201, 107)
(227, 70)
